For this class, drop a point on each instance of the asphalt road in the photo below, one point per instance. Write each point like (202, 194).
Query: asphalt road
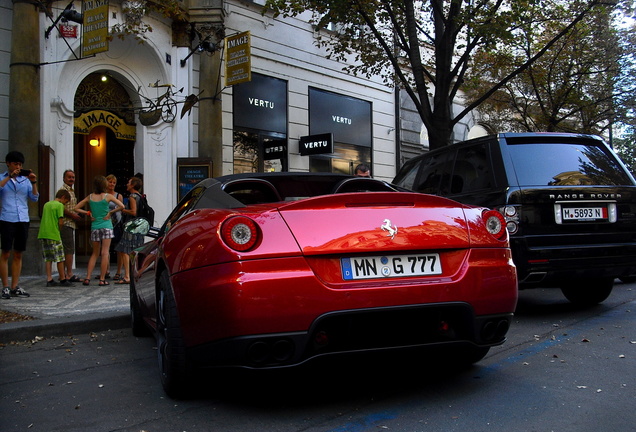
(562, 369)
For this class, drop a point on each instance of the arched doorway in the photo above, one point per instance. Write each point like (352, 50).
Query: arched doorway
(104, 140)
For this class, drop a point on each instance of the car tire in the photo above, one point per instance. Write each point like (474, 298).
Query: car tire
(137, 324)
(588, 292)
(473, 355)
(173, 365)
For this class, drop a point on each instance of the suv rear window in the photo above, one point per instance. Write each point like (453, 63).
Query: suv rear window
(561, 164)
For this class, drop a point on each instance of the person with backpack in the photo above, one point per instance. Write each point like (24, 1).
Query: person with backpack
(144, 210)
(130, 241)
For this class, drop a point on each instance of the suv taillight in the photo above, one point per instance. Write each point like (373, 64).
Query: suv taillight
(511, 215)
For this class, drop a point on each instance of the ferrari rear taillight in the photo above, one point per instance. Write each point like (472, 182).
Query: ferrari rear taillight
(240, 233)
(495, 224)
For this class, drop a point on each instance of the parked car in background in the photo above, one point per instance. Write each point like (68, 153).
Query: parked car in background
(568, 200)
(272, 270)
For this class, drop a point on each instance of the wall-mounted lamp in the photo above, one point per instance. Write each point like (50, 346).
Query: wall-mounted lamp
(94, 142)
(204, 45)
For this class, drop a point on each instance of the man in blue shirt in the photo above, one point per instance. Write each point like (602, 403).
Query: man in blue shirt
(16, 187)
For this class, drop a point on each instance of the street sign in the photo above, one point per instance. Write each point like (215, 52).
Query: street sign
(238, 59)
(95, 27)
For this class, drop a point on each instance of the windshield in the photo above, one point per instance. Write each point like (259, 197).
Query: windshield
(560, 164)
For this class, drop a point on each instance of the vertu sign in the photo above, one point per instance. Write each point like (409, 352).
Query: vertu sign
(347, 118)
(275, 149)
(316, 144)
(261, 104)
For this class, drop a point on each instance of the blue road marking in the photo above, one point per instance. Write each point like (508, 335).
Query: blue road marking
(366, 422)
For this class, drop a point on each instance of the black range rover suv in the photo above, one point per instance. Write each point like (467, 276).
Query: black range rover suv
(568, 200)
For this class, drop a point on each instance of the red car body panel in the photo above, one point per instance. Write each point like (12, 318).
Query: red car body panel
(283, 294)
(292, 278)
(289, 280)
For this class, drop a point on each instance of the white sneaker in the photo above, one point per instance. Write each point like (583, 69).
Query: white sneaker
(19, 292)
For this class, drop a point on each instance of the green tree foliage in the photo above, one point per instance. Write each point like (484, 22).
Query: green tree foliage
(427, 47)
(625, 94)
(135, 11)
(625, 146)
(577, 86)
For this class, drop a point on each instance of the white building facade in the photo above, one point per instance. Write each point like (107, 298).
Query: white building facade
(288, 71)
(299, 112)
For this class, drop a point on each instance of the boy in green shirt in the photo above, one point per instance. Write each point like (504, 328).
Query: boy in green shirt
(50, 239)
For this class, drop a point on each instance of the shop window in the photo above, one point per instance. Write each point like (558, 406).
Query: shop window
(259, 152)
(343, 160)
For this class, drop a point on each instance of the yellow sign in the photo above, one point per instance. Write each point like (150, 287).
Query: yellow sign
(87, 121)
(95, 27)
(238, 60)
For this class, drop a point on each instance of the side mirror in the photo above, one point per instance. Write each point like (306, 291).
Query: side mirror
(137, 226)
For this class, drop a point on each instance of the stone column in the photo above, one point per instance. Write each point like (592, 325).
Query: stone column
(24, 111)
(210, 108)
(24, 85)
(207, 15)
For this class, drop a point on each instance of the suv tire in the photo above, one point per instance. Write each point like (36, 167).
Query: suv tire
(588, 292)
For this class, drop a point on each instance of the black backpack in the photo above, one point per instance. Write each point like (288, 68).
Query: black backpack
(144, 210)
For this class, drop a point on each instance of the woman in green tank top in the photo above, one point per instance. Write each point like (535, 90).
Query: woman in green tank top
(101, 226)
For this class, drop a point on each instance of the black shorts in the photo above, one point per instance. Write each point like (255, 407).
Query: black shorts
(14, 236)
(68, 239)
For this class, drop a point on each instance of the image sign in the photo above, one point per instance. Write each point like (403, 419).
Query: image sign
(238, 60)
(95, 27)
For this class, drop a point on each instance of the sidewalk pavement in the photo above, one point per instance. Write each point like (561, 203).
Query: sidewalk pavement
(59, 311)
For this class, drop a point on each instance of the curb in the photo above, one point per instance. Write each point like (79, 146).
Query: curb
(63, 326)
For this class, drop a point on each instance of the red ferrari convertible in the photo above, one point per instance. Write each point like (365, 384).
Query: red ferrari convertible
(273, 270)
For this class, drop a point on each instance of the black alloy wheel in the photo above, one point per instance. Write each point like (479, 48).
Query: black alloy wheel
(173, 365)
(137, 324)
